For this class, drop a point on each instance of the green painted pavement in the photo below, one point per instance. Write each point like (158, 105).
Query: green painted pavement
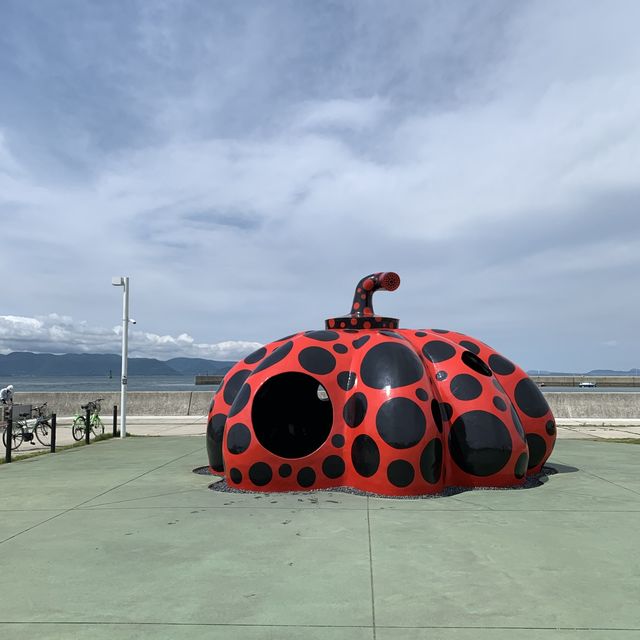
(121, 540)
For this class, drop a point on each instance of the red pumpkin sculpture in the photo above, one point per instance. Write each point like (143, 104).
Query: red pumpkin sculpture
(391, 411)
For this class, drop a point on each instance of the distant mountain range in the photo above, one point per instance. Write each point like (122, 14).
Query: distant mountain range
(594, 372)
(24, 363)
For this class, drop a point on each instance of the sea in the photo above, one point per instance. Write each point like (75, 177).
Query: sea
(99, 383)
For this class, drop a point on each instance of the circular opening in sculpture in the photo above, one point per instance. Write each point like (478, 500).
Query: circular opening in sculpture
(289, 418)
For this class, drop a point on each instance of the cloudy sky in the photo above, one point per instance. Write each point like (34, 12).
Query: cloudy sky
(245, 163)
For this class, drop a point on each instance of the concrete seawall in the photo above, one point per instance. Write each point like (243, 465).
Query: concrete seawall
(588, 404)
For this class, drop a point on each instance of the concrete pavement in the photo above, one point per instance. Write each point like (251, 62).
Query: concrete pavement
(121, 540)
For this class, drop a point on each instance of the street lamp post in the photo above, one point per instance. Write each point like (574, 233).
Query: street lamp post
(123, 281)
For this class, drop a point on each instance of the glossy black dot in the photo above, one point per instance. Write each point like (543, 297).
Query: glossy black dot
(473, 362)
(401, 423)
(350, 330)
(241, 400)
(499, 403)
(441, 376)
(365, 456)
(340, 348)
(361, 341)
(215, 432)
(306, 477)
(517, 423)
(447, 410)
(274, 357)
(501, 365)
(238, 438)
(438, 351)
(234, 384)
(235, 475)
(551, 427)
(333, 466)
(437, 414)
(440, 330)
(338, 441)
(317, 360)
(521, 466)
(260, 474)
(470, 346)
(285, 470)
(390, 364)
(391, 334)
(420, 334)
(530, 399)
(400, 473)
(537, 449)
(421, 394)
(465, 387)
(346, 380)
(355, 409)
(323, 336)
(479, 443)
(256, 356)
(431, 461)
(216, 426)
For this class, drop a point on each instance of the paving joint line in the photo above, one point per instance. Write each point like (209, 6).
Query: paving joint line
(373, 597)
(122, 484)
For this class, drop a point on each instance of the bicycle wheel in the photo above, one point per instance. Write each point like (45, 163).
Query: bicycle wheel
(17, 436)
(43, 433)
(78, 428)
(97, 427)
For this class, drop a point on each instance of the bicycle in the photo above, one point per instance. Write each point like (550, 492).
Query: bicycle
(79, 427)
(23, 432)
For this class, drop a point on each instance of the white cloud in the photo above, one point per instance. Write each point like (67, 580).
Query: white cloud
(61, 334)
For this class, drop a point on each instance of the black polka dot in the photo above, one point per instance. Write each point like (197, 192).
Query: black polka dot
(285, 470)
(260, 474)
(361, 341)
(447, 410)
(355, 409)
(440, 330)
(473, 362)
(438, 351)
(420, 334)
(400, 473)
(317, 360)
(235, 475)
(234, 384)
(346, 380)
(470, 346)
(437, 414)
(350, 330)
(479, 443)
(401, 423)
(421, 394)
(530, 399)
(306, 477)
(338, 441)
(517, 423)
(256, 356)
(521, 466)
(499, 403)
(501, 365)
(441, 376)
(323, 336)
(465, 387)
(340, 348)
(391, 334)
(333, 467)
(241, 400)
(215, 432)
(365, 456)
(431, 461)
(238, 438)
(276, 356)
(537, 449)
(551, 427)
(390, 364)
(216, 426)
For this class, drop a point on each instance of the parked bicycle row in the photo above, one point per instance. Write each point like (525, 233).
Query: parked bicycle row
(34, 424)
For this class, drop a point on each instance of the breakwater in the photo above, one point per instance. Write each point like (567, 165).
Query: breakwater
(592, 404)
(600, 381)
